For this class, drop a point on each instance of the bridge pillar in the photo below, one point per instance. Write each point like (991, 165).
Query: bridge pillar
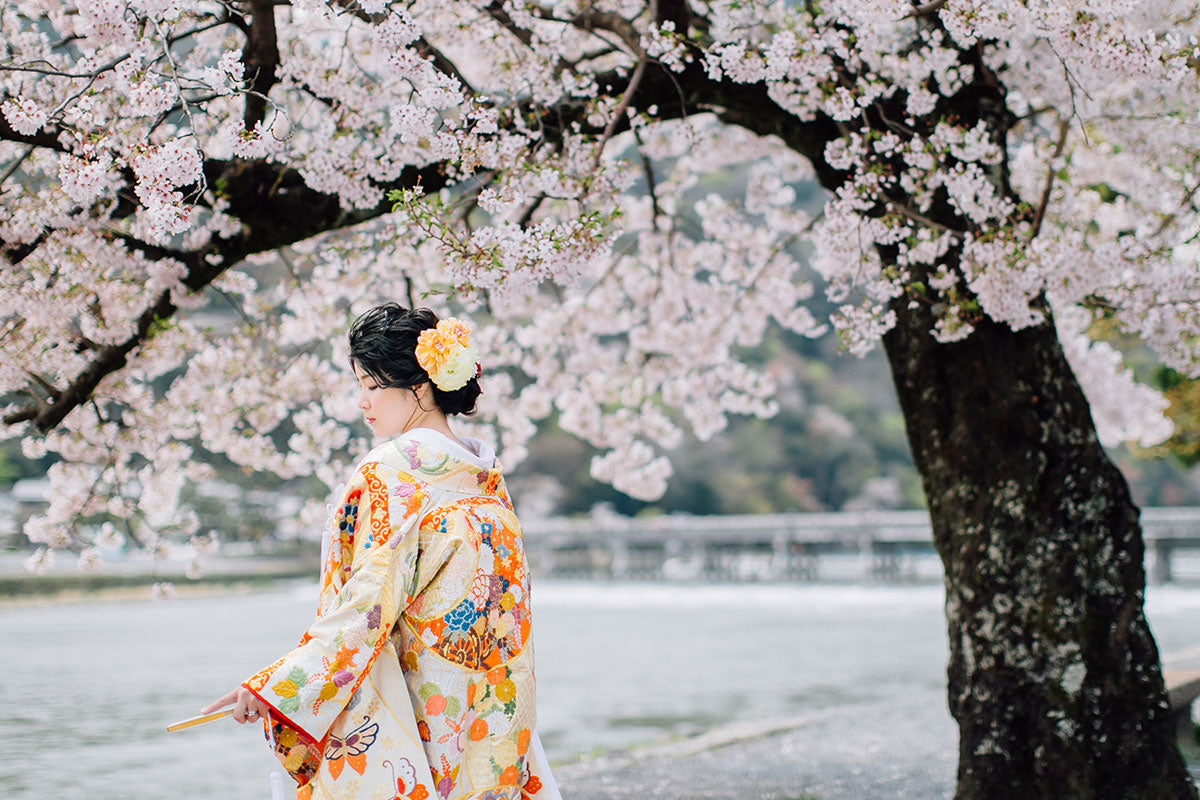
(619, 567)
(1160, 568)
(781, 556)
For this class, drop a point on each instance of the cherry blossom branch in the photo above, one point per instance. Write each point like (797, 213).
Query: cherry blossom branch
(677, 12)
(187, 109)
(110, 65)
(591, 19)
(442, 63)
(354, 8)
(1064, 128)
(271, 219)
(1169, 218)
(422, 45)
(496, 11)
(108, 360)
(618, 113)
(46, 137)
(527, 215)
(47, 387)
(904, 211)
(54, 73)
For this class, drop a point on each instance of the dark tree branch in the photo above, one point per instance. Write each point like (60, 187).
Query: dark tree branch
(496, 11)
(442, 64)
(651, 184)
(619, 112)
(16, 253)
(592, 19)
(16, 165)
(527, 215)
(925, 9)
(261, 59)
(1064, 127)
(353, 8)
(42, 138)
(23, 414)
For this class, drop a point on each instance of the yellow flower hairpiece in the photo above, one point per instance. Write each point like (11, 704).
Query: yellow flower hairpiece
(445, 353)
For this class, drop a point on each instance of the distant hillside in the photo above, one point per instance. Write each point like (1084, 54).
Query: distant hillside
(838, 443)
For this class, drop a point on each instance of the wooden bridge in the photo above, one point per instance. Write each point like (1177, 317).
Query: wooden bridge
(785, 546)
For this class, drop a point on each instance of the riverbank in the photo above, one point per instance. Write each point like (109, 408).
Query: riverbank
(864, 750)
(123, 577)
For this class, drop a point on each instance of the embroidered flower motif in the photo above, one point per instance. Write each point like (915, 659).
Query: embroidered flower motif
(479, 729)
(481, 589)
(531, 787)
(461, 618)
(445, 353)
(505, 691)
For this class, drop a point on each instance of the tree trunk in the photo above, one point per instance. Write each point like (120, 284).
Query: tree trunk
(1054, 677)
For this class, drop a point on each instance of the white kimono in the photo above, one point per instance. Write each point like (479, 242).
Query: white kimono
(416, 680)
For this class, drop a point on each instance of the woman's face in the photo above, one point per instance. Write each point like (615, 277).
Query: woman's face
(387, 410)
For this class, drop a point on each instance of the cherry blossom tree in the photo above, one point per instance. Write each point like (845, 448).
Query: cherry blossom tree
(1002, 177)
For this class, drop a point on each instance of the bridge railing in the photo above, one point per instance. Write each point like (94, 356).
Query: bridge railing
(784, 546)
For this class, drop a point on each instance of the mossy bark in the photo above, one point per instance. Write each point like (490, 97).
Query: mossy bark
(1054, 676)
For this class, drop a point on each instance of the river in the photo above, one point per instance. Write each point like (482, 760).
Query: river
(89, 685)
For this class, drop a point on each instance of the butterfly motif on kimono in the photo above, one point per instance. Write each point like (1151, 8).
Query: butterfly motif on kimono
(405, 776)
(351, 749)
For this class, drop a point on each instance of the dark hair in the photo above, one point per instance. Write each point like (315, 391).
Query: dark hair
(383, 344)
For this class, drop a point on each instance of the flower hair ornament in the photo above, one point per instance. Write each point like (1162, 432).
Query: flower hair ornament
(445, 353)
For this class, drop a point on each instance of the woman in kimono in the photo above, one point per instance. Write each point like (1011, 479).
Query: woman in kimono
(416, 680)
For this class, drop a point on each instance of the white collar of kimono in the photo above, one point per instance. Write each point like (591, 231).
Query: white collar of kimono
(476, 451)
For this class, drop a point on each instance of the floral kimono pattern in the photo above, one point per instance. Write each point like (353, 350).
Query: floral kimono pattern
(416, 680)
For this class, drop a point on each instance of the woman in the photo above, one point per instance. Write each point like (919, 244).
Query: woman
(416, 680)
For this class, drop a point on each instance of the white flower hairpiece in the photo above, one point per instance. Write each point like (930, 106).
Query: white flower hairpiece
(445, 353)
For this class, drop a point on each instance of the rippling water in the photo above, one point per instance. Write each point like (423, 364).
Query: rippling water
(88, 686)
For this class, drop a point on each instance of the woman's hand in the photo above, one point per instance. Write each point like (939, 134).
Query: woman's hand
(246, 706)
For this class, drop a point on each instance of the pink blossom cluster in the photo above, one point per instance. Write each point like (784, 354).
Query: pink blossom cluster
(24, 115)
(160, 172)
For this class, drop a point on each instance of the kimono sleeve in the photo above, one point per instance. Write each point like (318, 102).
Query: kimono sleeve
(310, 686)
